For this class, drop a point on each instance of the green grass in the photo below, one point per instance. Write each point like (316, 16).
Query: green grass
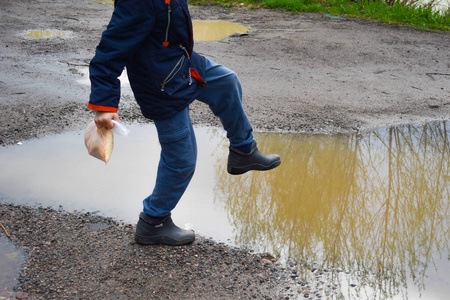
(390, 11)
(295, 6)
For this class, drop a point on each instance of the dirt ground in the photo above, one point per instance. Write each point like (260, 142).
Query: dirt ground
(300, 73)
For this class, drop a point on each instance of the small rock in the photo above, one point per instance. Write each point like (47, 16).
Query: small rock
(433, 105)
(21, 295)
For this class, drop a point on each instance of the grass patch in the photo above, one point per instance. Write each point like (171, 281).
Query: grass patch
(295, 6)
(403, 12)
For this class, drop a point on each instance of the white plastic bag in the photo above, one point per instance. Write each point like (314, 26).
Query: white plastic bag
(120, 129)
(100, 141)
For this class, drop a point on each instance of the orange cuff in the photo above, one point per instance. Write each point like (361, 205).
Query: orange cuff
(102, 108)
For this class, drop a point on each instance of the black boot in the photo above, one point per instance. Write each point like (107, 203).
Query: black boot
(154, 230)
(240, 162)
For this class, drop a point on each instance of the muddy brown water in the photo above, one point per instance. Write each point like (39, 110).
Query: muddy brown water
(207, 31)
(370, 211)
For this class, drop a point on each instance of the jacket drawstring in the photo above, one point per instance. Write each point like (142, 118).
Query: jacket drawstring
(169, 10)
(189, 59)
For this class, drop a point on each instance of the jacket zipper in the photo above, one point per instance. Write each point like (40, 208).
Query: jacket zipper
(173, 72)
(191, 33)
(166, 37)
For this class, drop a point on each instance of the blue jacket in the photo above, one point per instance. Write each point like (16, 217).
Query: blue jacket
(153, 39)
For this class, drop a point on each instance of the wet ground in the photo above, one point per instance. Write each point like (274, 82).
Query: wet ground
(11, 260)
(300, 73)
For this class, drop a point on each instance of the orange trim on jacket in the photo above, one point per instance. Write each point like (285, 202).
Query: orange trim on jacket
(102, 108)
(197, 76)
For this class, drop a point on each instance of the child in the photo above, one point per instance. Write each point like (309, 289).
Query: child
(153, 39)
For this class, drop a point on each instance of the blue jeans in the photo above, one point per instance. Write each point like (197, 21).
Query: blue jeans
(176, 135)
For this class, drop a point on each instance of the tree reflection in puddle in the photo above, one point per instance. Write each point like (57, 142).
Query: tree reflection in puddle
(376, 206)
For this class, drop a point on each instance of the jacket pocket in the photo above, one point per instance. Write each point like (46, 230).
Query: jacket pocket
(174, 80)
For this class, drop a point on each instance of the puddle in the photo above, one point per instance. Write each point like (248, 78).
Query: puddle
(207, 31)
(105, 2)
(369, 214)
(46, 34)
(10, 261)
(204, 31)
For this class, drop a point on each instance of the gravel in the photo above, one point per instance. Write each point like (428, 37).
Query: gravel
(84, 256)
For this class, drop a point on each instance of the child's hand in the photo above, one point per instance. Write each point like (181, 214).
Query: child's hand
(104, 119)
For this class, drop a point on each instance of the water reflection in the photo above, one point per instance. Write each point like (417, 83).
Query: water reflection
(207, 31)
(376, 206)
(10, 261)
(105, 2)
(43, 34)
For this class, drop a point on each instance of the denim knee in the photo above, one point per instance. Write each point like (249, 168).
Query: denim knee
(178, 149)
(233, 84)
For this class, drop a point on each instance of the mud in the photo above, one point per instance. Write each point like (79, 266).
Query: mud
(300, 73)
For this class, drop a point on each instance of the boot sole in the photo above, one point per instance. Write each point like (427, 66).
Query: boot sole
(162, 240)
(253, 167)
